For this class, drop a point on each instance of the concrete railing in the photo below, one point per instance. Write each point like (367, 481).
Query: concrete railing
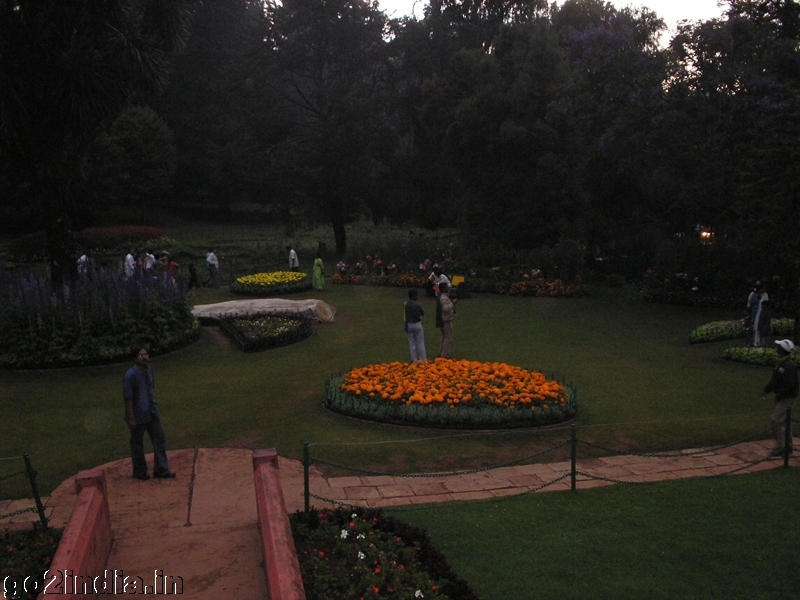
(81, 557)
(284, 580)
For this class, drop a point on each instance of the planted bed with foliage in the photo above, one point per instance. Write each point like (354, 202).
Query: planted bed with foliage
(451, 393)
(100, 317)
(352, 554)
(24, 557)
(260, 333)
(271, 284)
(765, 357)
(731, 330)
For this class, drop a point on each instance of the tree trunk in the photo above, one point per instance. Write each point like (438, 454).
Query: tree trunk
(339, 233)
(60, 251)
(797, 310)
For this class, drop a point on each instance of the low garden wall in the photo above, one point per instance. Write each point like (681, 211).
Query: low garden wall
(281, 567)
(86, 541)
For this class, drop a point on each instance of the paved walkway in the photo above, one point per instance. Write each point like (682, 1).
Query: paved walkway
(202, 525)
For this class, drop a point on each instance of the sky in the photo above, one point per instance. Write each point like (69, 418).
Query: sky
(671, 11)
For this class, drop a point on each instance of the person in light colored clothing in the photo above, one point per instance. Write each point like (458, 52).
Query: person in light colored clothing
(318, 275)
(212, 264)
(416, 336)
(129, 266)
(437, 278)
(445, 312)
(294, 264)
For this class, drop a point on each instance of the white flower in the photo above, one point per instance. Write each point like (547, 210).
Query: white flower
(419, 594)
(361, 555)
(344, 533)
(353, 516)
(360, 536)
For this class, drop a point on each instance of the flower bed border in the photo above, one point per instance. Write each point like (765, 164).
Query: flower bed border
(761, 356)
(535, 288)
(163, 345)
(228, 327)
(266, 291)
(472, 416)
(718, 331)
(430, 560)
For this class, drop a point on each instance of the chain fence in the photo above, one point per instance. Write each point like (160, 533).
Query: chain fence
(573, 472)
(30, 474)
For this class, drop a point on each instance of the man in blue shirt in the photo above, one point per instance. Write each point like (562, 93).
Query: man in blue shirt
(141, 414)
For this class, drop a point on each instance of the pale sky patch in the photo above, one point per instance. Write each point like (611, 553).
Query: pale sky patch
(672, 11)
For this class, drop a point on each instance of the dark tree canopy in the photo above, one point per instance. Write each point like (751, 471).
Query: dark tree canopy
(66, 68)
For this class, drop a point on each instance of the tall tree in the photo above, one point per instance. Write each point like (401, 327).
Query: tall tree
(66, 68)
(222, 110)
(330, 66)
(132, 163)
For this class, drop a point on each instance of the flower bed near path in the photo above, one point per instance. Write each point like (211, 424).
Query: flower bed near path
(353, 554)
(451, 393)
(259, 333)
(731, 330)
(25, 555)
(271, 284)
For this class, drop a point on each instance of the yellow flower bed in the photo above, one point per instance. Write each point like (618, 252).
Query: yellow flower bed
(275, 278)
(271, 284)
(454, 382)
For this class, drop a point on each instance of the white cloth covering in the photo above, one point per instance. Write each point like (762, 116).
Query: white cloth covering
(315, 309)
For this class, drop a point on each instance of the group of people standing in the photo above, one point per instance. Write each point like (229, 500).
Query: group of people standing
(143, 262)
(445, 313)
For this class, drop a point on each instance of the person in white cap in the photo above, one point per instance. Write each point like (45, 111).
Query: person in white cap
(785, 386)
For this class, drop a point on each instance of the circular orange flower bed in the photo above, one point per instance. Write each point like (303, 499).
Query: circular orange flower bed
(451, 393)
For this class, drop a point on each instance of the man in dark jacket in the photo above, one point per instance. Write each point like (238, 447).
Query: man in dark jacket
(785, 386)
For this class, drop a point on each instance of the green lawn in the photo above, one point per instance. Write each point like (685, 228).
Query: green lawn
(732, 538)
(641, 386)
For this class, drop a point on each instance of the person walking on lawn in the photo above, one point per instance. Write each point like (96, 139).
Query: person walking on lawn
(784, 385)
(141, 414)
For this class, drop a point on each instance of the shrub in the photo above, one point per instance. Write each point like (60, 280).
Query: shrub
(100, 317)
(731, 330)
(765, 357)
(24, 558)
(260, 333)
(355, 553)
(454, 394)
(271, 284)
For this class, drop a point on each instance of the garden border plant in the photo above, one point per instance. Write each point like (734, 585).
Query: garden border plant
(353, 553)
(474, 395)
(253, 333)
(760, 356)
(717, 331)
(275, 283)
(101, 317)
(26, 553)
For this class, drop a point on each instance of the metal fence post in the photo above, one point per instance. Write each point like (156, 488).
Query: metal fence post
(574, 455)
(306, 465)
(787, 438)
(32, 478)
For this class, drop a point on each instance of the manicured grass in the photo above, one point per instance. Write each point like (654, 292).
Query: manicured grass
(732, 538)
(640, 385)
